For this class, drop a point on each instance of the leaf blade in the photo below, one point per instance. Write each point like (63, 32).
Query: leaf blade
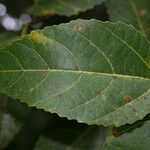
(64, 82)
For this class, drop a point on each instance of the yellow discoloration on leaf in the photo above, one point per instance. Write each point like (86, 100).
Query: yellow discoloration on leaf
(46, 12)
(104, 97)
(36, 36)
(76, 10)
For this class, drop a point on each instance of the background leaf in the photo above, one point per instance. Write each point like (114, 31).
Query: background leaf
(69, 135)
(62, 7)
(6, 38)
(138, 139)
(14, 107)
(86, 70)
(12, 117)
(135, 12)
(8, 129)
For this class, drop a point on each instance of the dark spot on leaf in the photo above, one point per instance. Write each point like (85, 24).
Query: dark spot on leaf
(142, 12)
(128, 99)
(114, 77)
(80, 28)
(116, 134)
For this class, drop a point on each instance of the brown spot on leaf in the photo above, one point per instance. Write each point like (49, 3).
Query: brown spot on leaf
(80, 28)
(142, 12)
(116, 133)
(128, 99)
(114, 77)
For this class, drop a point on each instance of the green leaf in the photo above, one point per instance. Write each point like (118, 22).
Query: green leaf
(8, 128)
(18, 110)
(62, 7)
(91, 71)
(91, 138)
(136, 140)
(6, 38)
(12, 116)
(135, 12)
(117, 131)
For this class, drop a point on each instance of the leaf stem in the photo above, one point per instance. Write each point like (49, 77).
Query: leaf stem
(24, 29)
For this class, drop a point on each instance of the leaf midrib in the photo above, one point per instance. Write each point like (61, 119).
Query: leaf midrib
(76, 72)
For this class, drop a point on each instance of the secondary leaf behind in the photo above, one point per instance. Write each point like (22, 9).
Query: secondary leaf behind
(8, 129)
(85, 138)
(135, 12)
(62, 7)
(132, 140)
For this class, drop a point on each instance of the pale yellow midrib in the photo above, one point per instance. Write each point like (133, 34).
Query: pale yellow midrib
(77, 72)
